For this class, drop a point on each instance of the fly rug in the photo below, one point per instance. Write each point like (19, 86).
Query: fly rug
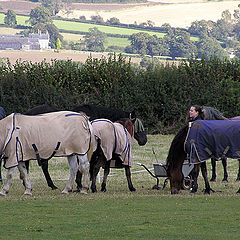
(116, 143)
(60, 134)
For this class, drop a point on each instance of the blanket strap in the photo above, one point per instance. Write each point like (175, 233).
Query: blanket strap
(209, 152)
(225, 151)
(38, 155)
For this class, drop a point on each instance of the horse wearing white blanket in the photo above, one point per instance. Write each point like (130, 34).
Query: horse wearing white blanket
(40, 137)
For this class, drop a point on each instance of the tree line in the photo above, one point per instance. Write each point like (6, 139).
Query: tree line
(160, 94)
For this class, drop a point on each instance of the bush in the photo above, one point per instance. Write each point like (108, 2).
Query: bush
(160, 94)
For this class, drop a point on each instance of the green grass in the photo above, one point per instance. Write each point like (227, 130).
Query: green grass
(121, 42)
(83, 27)
(118, 213)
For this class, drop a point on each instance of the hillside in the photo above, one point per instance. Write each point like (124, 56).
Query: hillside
(178, 13)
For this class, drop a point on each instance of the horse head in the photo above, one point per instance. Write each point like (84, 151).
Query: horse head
(139, 132)
(175, 159)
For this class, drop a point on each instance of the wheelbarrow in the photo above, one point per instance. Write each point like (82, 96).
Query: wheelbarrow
(160, 170)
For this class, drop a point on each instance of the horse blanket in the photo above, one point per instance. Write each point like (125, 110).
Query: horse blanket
(115, 139)
(217, 138)
(58, 133)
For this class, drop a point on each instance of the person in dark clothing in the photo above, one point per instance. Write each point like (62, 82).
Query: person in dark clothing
(2, 115)
(195, 113)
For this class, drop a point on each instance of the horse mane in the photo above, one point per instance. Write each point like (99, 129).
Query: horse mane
(40, 109)
(175, 141)
(212, 114)
(95, 112)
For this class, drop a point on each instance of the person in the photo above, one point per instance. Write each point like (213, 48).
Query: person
(2, 115)
(195, 113)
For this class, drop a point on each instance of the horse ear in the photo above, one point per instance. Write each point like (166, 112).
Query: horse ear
(132, 115)
(133, 120)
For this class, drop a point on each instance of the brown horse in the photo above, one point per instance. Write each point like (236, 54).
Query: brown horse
(114, 146)
(175, 159)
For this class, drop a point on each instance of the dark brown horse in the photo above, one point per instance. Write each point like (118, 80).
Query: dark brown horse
(93, 112)
(106, 129)
(175, 159)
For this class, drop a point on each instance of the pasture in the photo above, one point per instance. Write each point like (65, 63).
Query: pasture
(118, 213)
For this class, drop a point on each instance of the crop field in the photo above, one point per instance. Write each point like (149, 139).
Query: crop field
(118, 213)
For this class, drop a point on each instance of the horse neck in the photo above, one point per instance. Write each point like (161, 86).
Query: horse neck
(177, 155)
(128, 125)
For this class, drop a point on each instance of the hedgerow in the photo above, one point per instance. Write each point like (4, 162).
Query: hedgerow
(160, 94)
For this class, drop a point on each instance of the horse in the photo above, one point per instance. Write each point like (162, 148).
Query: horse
(61, 134)
(94, 112)
(176, 157)
(213, 114)
(114, 149)
(206, 139)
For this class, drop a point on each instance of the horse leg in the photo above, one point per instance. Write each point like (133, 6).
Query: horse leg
(84, 169)
(224, 163)
(213, 162)
(238, 175)
(25, 177)
(72, 161)
(204, 174)
(106, 172)
(128, 175)
(46, 174)
(7, 184)
(98, 160)
(195, 173)
(79, 181)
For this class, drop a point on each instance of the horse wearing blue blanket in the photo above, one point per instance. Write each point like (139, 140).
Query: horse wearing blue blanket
(213, 139)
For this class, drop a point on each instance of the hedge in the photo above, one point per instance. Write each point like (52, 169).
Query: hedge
(160, 94)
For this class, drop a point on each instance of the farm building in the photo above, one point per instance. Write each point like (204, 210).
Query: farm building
(19, 42)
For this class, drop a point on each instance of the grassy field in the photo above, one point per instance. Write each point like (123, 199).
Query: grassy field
(118, 213)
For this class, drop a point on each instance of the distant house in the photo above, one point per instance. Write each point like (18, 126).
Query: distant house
(19, 42)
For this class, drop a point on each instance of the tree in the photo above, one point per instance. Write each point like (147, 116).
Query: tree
(10, 18)
(54, 35)
(94, 40)
(97, 19)
(40, 15)
(58, 44)
(113, 21)
(209, 48)
(180, 44)
(55, 6)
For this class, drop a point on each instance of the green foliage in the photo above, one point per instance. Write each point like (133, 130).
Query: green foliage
(40, 15)
(59, 45)
(94, 40)
(160, 93)
(10, 18)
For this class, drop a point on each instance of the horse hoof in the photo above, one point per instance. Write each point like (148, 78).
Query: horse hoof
(54, 187)
(238, 179)
(132, 189)
(213, 180)
(3, 193)
(28, 192)
(65, 191)
(103, 190)
(84, 191)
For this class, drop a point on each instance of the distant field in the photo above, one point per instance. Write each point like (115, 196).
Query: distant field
(84, 27)
(176, 13)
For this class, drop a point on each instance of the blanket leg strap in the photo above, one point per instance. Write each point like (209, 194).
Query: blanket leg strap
(54, 152)
(37, 154)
